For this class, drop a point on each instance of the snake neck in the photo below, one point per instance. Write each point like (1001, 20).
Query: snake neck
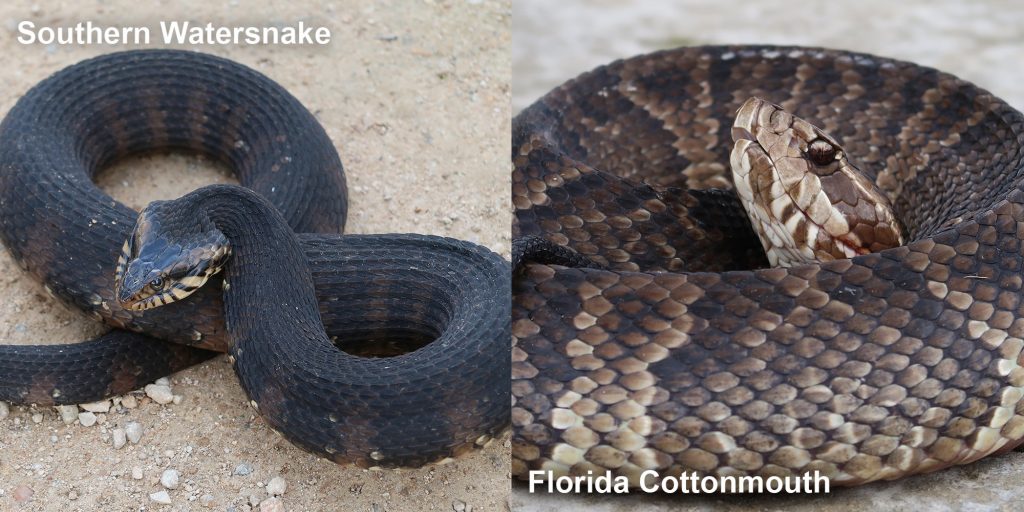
(267, 266)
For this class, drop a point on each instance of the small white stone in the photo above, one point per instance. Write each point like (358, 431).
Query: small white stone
(68, 413)
(101, 406)
(37, 418)
(120, 438)
(177, 399)
(277, 486)
(137, 473)
(272, 505)
(169, 479)
(160, 394)
(207, 500)
(163, 381)
(87, 419)
(134, 432)
(160, 497)
(129, 402)
(4, 410)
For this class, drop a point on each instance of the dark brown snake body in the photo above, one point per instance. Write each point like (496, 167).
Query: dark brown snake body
(682, 353)
(446, 299)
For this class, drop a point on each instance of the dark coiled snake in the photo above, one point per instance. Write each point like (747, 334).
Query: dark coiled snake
(650, 333)
(443, 302)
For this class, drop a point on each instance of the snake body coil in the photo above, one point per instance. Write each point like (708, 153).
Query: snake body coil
(685, 354)
(444, 295)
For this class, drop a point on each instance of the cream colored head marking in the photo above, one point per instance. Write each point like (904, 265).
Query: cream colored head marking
(803, 197)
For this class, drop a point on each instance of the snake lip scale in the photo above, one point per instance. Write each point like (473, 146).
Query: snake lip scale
(445, 301)
(679, 350)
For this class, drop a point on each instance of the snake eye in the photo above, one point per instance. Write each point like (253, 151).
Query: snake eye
(821, 152)
(157, 284)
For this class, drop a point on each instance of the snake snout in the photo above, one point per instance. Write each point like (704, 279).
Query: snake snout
(124, 295)
(132, 283)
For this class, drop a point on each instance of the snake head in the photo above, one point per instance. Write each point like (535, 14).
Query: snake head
(804, 198)
(168, 256)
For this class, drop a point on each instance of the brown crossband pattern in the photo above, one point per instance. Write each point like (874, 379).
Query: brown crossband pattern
(688, 353)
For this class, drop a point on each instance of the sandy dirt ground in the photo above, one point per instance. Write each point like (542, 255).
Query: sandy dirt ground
(415, 95)
(979, 41)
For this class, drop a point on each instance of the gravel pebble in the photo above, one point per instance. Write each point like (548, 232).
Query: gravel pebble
(68, 413)
(243, 469)
(207, 500)
(272, 505)
(22, 493)
(137, 473)
(169, 479)
(101, 406)
(129, 402)
(37, 418)
(87, 419)
(277, 486)
(134, 432)
(120, 438)
(160, 394)
(160, 497)
(4, 410)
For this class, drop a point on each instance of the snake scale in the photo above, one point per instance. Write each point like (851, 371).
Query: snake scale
(446, 301)
(662, 341)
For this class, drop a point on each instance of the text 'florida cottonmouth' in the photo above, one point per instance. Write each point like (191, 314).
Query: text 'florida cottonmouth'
(678, 350)
(446, 299)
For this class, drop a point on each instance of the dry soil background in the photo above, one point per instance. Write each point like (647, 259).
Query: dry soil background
(415, 96)
(980, 41)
